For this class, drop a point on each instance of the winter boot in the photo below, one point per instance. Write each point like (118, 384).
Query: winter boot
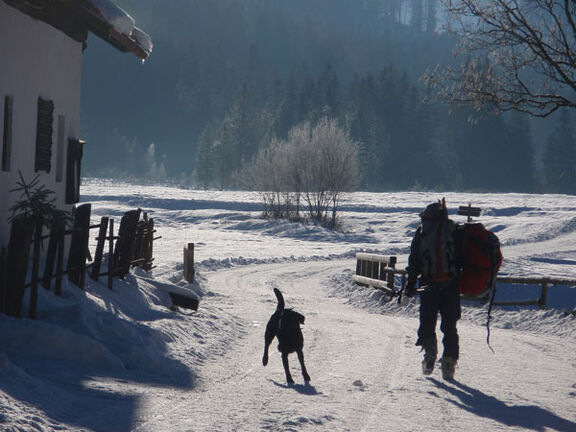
(428, 364)
(448, 368)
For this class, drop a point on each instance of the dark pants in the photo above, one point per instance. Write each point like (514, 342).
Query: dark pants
(443, 299)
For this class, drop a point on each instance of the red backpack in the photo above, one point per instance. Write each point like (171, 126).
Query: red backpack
(481, 258)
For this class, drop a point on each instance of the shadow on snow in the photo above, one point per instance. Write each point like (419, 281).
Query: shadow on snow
(305, 389)
(528, 417)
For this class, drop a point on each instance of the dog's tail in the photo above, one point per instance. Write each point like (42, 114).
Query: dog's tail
(280, 299)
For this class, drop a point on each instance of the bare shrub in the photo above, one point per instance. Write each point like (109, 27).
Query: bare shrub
(314, 166)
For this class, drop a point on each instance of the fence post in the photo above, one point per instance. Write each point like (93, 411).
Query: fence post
(21, 234)
(3, 278)
(543, 294)
(79, 245)
(95, 273)
(189, 262)
(382, 273)
(124, 251)
(390, 276)
(35, 266)
(149, 246)
(50, 258)
(61, 234)
(137, 252)
(111, 270)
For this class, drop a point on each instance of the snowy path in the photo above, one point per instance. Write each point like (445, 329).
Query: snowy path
(365, 370)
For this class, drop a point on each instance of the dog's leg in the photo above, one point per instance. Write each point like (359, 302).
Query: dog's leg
(268, 338)
(289, 379)
(303, 366)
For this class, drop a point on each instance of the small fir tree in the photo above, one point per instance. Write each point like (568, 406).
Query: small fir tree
(36, 202)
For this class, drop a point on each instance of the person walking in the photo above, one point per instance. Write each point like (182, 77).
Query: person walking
(433, 262)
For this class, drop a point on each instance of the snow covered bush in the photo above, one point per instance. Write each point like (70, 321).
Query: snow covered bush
(310, 169)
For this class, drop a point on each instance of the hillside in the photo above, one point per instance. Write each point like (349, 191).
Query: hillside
(226, 77)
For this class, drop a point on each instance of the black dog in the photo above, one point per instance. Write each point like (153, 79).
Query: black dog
(285, 325)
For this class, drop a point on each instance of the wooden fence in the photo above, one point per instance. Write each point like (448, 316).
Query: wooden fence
(544, 283)
(379, 272)
(133, 247)
(189, 262)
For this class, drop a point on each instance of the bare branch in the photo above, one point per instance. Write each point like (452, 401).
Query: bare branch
(520, 55)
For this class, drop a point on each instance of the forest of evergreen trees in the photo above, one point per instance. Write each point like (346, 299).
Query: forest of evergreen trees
(227, 77)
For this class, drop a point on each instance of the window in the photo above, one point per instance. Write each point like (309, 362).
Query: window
(60, 148)
(74, 157)
(43, 154)
(7, 133)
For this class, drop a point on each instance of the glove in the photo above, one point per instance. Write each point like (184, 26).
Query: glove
(410, 290)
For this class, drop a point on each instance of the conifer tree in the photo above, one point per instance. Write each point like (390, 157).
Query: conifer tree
(520, 154)
(559, 159)
(286, 107)
(417, 15)
(204, 171)
(431, 8)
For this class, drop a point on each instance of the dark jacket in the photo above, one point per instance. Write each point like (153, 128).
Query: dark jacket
(434, 252)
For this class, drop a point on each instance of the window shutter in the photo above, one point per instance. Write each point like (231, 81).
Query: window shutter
(60, 140)
(73, 165)
(44, 135)
(7, 134)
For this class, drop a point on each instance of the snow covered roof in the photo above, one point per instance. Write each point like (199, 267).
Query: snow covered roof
(101, 17)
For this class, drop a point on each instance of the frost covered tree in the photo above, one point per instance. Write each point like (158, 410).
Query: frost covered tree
(154, 170)
(519, 55)
(270, 173)
(327, 166)
(312, 167)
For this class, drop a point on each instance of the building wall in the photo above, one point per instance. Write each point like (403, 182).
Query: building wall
(36, 60)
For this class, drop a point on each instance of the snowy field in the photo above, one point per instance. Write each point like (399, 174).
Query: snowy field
(122, 360)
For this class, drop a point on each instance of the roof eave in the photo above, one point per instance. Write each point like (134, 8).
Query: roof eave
(105, 31)
(74, 18)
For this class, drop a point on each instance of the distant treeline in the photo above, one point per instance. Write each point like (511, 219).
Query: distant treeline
(226, 77)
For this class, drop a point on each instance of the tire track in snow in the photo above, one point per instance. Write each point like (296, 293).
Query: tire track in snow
(343, 346)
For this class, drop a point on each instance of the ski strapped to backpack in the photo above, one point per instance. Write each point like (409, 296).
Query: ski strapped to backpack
(481, 258)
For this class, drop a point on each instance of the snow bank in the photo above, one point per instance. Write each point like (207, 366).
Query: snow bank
(52, 342)
(553, 321)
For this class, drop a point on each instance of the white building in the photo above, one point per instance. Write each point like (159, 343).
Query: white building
(41, 45)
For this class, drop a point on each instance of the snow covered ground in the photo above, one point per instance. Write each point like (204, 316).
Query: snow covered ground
(122, 360)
